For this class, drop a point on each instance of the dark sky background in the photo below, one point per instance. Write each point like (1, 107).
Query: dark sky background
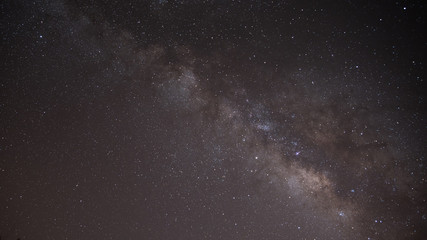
(213, 119)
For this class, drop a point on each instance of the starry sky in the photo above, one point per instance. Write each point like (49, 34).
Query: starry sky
(213, 119)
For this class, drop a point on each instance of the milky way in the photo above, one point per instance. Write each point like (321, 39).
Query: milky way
(212, 120)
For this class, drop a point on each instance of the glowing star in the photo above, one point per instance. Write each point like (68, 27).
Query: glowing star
(297, 153)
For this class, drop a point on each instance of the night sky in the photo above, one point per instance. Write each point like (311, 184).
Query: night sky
(213, 119)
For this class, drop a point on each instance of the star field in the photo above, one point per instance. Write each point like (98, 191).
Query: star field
(213, 120)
